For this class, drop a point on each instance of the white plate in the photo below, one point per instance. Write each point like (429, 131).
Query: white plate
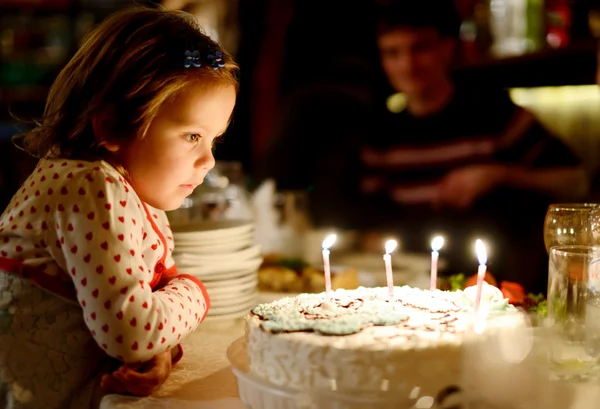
(244, 286)
(223, 309)
(228, 275)
(216, 291)
(247, 305)
(246, 280)
(214, 247)
(212, 259)
(212, 229)
(239, 309)
(212, 241)
(225, 317)
(233, 295)
(239, 297)
(216, 270)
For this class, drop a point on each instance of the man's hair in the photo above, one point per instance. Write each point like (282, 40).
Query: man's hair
(438, 14)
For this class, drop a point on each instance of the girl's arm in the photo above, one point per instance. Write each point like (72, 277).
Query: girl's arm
(99, 243)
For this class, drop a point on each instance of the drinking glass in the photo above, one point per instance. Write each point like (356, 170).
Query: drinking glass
(594, 227)
(572, 327)
(567, 224)
(293, 222)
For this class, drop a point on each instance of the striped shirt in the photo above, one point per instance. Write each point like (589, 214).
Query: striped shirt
(409, 157)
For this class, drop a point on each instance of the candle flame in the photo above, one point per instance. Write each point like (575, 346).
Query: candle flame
(437, 243)
(481, 252)
(390, 246)
(328, 242)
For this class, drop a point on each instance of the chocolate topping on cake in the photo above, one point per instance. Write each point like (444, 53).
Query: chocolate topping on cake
(349, 311)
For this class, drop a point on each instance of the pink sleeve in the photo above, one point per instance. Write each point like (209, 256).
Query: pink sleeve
(101, 246)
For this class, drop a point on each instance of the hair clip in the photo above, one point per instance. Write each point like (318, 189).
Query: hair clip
(192, 58)
(216, 60)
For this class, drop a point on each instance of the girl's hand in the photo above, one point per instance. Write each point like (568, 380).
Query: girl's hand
(139, 380)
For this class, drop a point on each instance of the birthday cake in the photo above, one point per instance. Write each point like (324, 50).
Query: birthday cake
(359, 339)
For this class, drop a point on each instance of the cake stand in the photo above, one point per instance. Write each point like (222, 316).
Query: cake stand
(258, 393)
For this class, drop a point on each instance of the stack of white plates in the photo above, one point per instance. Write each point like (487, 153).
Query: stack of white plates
(222, 255)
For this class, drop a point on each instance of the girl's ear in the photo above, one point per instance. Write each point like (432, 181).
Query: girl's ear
(104, 129)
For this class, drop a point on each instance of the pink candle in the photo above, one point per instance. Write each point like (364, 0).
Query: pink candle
(327, 243)
(482, 257)
(390, 246)
(436, 245)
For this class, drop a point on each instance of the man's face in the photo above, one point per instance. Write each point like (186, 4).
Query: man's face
(415, 60)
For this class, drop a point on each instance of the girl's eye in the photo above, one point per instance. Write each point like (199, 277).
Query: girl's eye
(192, 137)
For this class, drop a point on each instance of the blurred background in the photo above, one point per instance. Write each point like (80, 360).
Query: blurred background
(310, 67)
(543, 51)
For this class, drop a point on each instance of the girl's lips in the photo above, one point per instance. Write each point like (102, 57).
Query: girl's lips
(189, 189)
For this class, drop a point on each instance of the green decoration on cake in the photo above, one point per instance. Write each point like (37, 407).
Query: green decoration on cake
(332, 317)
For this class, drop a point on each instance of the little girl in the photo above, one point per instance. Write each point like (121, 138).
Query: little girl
(87, 281)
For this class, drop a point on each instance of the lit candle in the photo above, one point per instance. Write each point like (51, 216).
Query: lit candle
(390, 246)
(436, 245)
(327, 243)
(482, 257)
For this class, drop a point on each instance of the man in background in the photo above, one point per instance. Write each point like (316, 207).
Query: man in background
(456, 159)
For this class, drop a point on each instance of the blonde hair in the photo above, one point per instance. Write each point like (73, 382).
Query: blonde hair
(130, 65)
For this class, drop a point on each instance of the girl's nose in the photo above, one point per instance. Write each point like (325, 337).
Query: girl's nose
(206, 161)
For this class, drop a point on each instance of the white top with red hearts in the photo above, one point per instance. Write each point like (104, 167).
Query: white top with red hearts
(83, 224)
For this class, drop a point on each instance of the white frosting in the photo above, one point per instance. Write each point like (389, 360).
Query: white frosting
(491, 296)
(423, 350)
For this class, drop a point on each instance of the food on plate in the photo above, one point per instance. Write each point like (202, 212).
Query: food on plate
(294, 275)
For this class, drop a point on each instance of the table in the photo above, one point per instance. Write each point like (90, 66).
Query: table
(203, 378)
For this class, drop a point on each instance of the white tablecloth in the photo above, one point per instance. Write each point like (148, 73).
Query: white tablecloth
(203, 379)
